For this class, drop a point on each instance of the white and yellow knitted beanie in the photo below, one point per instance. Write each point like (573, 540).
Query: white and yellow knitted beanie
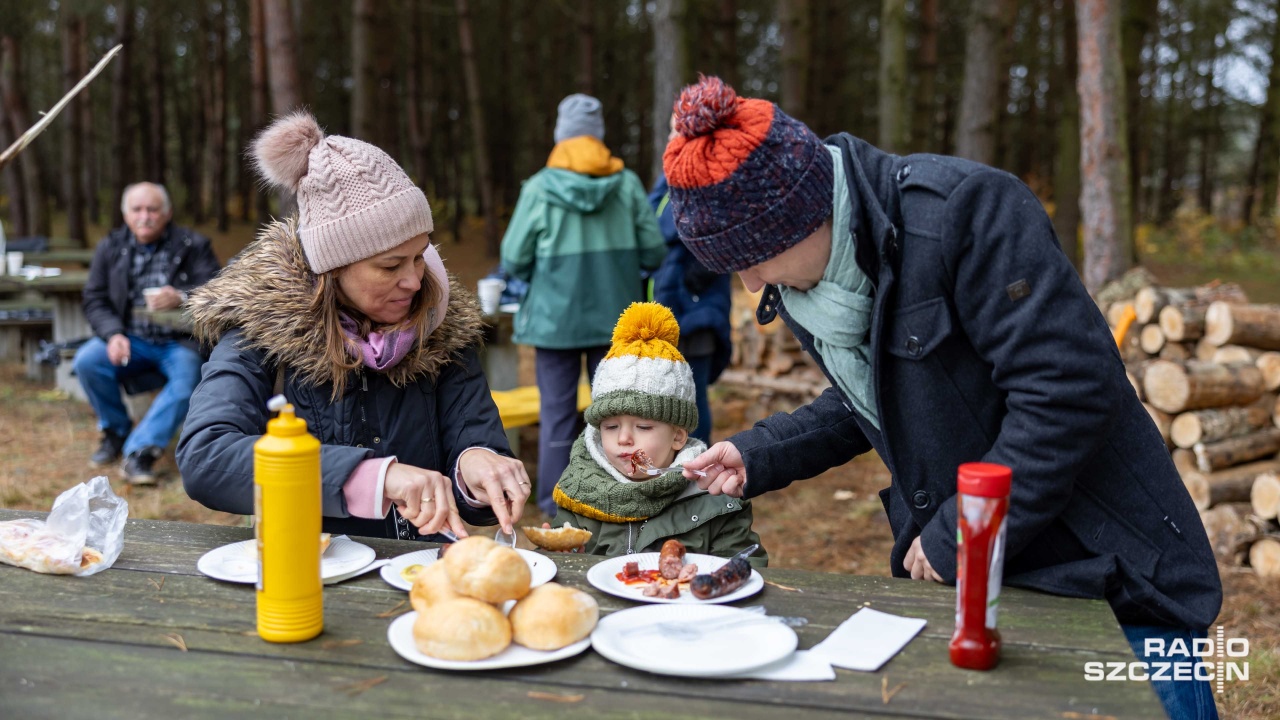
(354, 201)
(644, 374)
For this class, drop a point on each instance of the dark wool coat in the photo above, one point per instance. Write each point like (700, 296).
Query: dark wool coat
(426, 410)
(106, 293)
(986, 347)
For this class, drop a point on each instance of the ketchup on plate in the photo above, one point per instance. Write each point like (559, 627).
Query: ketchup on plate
(982, 503)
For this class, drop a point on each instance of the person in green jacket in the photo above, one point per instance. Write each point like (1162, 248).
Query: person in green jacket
(580, 235)
(642, 399)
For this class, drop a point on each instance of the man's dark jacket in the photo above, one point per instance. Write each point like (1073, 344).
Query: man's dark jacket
(986, 347)
(106, 294)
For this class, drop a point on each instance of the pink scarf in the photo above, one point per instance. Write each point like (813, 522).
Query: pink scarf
(382, 351)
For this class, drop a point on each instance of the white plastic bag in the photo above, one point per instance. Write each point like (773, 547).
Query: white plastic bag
(83, 534)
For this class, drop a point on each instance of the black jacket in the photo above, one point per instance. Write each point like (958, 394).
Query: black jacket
(986, 347)
(106, 294)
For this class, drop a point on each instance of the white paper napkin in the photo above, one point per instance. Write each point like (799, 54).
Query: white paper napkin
(867, 640)
(799, 666)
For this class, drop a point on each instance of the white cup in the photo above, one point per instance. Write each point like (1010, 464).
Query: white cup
(490, 291)
(149, 294)
(13, 262)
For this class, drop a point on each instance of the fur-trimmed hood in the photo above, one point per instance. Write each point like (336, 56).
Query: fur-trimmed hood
(266, 292)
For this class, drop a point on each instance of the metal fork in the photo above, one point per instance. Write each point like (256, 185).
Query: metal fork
(663, 471)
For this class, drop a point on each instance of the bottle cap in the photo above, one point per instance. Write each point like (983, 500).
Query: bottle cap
(984, 479)
(277, 403)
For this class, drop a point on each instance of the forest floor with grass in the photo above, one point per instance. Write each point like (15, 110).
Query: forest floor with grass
(831, 523)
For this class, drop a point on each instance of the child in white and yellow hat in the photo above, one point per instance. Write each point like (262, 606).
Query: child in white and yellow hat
(642, 399)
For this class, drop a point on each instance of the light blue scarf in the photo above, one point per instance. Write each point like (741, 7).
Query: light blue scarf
(837, 311)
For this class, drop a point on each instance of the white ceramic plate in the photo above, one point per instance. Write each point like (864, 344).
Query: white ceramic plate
(727, 650)
(400, 635)
(603, 576)
(238, 562)
(541, 567)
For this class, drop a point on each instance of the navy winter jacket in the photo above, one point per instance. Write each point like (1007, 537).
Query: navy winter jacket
(986, 347)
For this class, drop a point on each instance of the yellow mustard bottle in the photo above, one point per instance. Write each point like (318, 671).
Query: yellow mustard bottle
(287, 514)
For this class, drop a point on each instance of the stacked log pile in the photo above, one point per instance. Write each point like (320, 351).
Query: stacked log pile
(768, 372)
(1206, 364)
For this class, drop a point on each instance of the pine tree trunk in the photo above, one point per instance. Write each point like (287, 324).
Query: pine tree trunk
(15, 103)
(15, 191)
(218, 118)
(418, 77)
(282, 57)
(91, 167)
(924, 114)
(1139, 18)
(73, 68)
(1066, 169)
(1266, 151)
(480, 144)
(1108, 235)
(793, 20)
(364, 91)
(893, 76)
(586, 19)
(980, 104)
(258, 102)
(727, 32)
(668, 64)
(122, 135)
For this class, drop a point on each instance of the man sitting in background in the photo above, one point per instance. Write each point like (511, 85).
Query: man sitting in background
(150, 263)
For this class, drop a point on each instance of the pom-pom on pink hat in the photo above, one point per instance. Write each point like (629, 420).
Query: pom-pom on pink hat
(354, 201)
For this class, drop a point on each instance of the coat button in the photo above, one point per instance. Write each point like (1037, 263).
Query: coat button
(360, 445)
(694, 518)
(728, 506)
(377, 440)
(920, 499)
(904, 173)
(913, 345)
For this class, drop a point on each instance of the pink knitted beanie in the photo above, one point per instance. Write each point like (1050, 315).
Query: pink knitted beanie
(354, 201)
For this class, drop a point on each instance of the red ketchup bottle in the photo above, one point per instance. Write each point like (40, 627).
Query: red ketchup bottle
(982, 505)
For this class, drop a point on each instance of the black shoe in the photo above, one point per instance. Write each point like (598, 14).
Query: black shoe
(108, 450)
(138, 466)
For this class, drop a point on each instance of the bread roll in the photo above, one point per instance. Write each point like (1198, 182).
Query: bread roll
(461, 629)
(561, 539)
(552, 616)
(482, 569)
(431, 586)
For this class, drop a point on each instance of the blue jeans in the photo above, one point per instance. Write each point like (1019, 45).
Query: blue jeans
(1182, 699)
(559, 421)
(101, 382)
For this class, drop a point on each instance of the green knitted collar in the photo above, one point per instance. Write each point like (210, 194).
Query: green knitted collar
(592, 487)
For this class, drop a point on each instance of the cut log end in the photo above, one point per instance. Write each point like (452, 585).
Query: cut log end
(1264, 498)
(1264, 557)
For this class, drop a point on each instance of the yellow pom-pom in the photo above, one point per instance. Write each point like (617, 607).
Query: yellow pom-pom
(640, 326)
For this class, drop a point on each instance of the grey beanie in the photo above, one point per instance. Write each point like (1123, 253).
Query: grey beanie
(577, 115)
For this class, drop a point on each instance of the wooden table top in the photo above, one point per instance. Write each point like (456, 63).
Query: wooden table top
(67, 282)
(108, 646)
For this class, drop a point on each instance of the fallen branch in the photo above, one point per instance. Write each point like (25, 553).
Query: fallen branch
(32, 132)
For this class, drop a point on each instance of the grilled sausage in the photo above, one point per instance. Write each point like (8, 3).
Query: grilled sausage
(726, 579)
(671, 559)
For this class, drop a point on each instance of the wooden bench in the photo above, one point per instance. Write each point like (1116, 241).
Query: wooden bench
(24, 322)
(519, 407)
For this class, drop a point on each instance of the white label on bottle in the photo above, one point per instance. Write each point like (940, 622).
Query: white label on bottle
(995, 573)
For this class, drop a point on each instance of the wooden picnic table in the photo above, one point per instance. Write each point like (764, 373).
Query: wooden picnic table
(66, 291)
(109, 646)
(82, 257)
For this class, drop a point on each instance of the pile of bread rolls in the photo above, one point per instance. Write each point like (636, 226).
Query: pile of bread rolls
(459, 601)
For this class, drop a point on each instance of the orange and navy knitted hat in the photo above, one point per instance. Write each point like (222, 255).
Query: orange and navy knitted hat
(747, 181)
